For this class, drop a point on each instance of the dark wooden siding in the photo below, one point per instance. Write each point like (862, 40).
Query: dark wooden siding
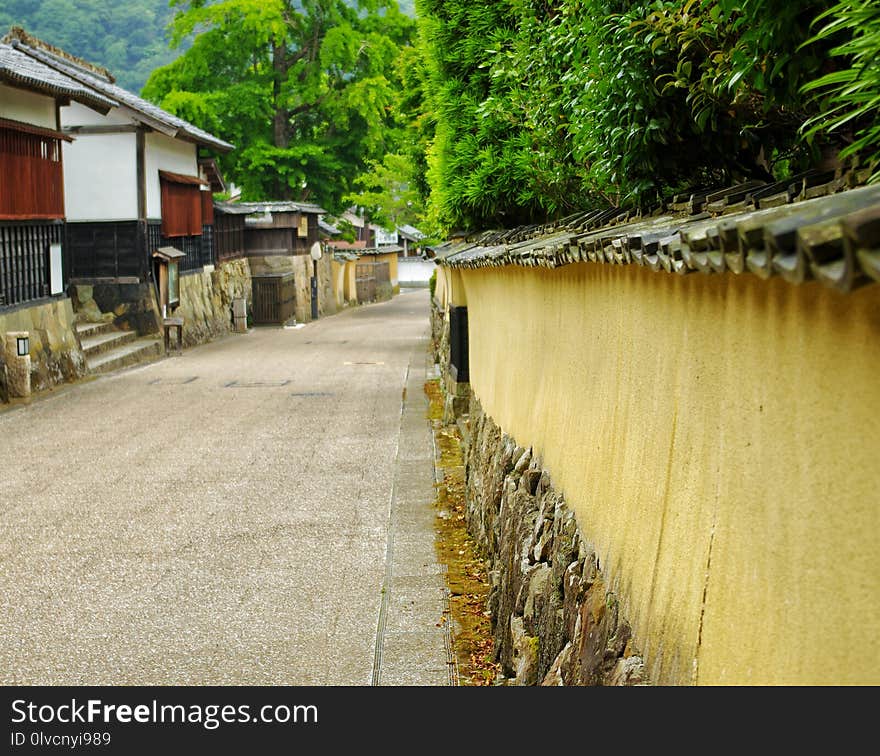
(198, 250)
(280, 240)
(229, 236)
(269, 241)
(207, 208)
(124, 249)
(107, 250)
(24, 259)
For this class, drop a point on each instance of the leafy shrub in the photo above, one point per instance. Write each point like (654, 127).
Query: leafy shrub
(849, 98)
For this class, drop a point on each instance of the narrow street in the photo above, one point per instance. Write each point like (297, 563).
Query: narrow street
(256, 511)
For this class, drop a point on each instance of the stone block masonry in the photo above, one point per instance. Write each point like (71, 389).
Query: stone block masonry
(554, 619)
(56, 356)
(206, 300)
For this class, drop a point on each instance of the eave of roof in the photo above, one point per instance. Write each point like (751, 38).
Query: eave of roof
(251, 208)
(21, 70)
(328, 228)
(385, 249)
(99, 79)
(410, 232)
(834, 239)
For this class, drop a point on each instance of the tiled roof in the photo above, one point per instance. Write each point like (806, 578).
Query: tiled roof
(410, 232)
(21, 70)
(328, 228)
(100, 81)
(834, 239)
(385, 249)
(250, 208)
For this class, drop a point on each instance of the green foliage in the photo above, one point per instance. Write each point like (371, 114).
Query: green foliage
(849, 98)
(432, 283)
(544, 107)
(125, 36)
(307, 91)
(386, 192)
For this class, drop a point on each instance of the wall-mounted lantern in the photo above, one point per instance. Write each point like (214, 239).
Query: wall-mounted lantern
(17, 356)
(168, 279)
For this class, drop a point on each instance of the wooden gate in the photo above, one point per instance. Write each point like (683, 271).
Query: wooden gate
(365, 281)
(274, 299)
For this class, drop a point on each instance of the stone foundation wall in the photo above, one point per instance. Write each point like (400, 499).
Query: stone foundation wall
(129, 306)
(555, 621)
(206, 300)
(56, 356)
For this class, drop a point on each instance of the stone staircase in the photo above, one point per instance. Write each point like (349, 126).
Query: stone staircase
(107, 348)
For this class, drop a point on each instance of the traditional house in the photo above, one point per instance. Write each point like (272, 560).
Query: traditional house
(33, 276)
(132, 182)
(135, 180)
(277, 238)
(409, 238)
(32, 207)
(673, 455)
(363, 231)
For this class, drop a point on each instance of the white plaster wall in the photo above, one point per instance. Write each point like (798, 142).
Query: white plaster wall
(165, 153)
(414, 272)
(100, 177)
(79, 115)
(27, 107)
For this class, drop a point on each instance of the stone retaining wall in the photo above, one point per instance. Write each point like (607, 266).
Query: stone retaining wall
(129, 306)
(206, 300)
(56, 356)
(555, 621)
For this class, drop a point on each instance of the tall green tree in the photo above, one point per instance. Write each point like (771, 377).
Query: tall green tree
(305, 90)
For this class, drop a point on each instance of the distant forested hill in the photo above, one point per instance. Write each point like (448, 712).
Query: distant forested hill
(125, 36)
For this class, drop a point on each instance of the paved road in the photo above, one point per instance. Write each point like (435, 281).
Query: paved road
(254, 511)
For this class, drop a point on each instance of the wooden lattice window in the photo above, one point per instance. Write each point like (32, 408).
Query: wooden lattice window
(31, 179)
(181, 204)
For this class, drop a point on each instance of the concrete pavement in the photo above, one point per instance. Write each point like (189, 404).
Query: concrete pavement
(255, 511)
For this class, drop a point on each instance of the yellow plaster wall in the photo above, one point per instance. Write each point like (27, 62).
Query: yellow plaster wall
(391, 259)
(351, 281)
(718, 437)
(337, 274)
(441, 288)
